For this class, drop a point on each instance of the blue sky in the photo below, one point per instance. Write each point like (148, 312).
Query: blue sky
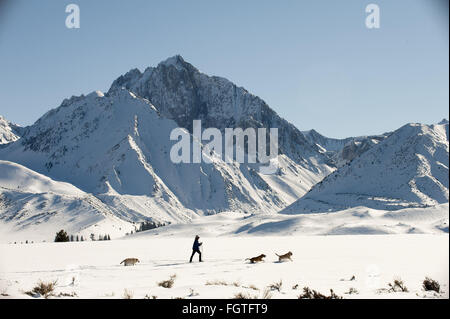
(314, 62)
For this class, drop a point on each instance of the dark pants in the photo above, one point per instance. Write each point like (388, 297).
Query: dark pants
(199, 255)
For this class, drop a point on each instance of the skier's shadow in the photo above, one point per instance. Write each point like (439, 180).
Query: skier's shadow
(173, 264)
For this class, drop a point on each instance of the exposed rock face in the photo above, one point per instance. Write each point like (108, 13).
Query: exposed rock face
(343, 151)
(182, 93)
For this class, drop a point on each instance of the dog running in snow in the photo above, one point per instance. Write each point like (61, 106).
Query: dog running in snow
(285, 256)
(130, 261)
(256, 259)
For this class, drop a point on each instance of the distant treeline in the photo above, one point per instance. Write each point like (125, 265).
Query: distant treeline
(62, 236)
(147, 225)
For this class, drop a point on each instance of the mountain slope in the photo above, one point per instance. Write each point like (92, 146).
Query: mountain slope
(181, 92)
(342, 151)
(93, 142)
(8, 132)
(116, 146)
(33, 206)
(407, 169)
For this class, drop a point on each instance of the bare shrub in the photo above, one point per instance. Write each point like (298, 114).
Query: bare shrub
(168, 283)
(66, 294)
(313, 294)
(192, 293)
(243, 295)
(127, 294)
(397, 286)
(266, 294)
(4, 292)
(431, 285)
(276, 286)
(216, 283)
(352, 291)
(235, 284)
(44, 289)
(253, 287)
(351, 279)
(382, 291)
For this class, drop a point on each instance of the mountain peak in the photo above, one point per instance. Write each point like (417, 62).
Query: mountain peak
(178, 63)
(176, 60)
(135, 78)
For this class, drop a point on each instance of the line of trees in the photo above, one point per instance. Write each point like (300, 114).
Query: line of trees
(147, 225)
(62, 236)
(26, 242)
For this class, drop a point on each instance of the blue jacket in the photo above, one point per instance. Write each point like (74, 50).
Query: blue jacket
(196, 245)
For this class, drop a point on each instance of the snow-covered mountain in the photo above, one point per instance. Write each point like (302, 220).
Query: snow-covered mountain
(342, 151)
(115, 147)
(409, 168)
(181, 92)
(9, 132)
(101, 162)
(36, 206)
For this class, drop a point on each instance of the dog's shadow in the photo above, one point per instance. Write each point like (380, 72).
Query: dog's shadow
(282, 261)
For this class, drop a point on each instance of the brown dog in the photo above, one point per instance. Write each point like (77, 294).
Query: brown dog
(130, 261)
(285, 256)
(256, 259)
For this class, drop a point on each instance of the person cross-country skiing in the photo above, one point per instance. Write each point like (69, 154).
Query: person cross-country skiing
(196, 249)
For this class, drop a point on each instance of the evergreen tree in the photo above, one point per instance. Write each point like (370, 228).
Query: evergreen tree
(147, 225)
(82, 238)
(92, 237)
(71, 237)
(61, 236)
(78, 239)
(109, 238)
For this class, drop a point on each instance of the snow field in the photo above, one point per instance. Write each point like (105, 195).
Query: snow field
(320, 262)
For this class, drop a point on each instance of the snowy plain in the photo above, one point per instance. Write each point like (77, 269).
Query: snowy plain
(328, 249)
(92, 269)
